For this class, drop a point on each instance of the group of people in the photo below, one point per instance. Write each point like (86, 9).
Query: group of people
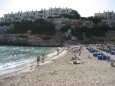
(75, 58)
(40, 59)
(76, 53)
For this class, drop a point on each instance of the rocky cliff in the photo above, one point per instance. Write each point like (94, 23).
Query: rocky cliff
(19, 41)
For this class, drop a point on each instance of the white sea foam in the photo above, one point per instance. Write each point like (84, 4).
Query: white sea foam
(20, 58)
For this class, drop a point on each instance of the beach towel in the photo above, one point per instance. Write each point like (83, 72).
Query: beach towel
(75, 62)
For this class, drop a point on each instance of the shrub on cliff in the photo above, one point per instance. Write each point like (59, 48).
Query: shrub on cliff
(73, 15)
(95, 20)
(65, 28)
(46, 37)
(22, 35)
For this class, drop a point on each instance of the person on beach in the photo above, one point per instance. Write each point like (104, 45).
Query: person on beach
(42, 59)
(75, 61)
(72, 50)
(74, 57)
(68, 47)
(80, 50)
(57, 51)
(38, 60)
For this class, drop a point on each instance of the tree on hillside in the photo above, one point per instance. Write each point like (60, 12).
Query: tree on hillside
(77, 32)
(11, 28)
(46, 28)
(73, 15)
(95, 20)
(65, 28)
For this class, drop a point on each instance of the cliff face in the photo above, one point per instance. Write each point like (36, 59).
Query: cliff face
(12, 40)
(19, 41)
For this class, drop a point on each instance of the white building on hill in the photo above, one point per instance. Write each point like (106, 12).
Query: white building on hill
(106, 15)
(33, 15)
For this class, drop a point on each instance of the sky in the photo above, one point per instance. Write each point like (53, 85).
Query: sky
(85, 8)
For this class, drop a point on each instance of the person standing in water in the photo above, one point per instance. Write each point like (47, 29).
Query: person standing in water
(38, 60)
(42, 58)
(57, 51)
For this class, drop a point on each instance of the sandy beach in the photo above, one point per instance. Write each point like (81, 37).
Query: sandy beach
(59, 72)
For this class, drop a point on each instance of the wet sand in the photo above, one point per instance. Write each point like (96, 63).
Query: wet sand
(59, 72)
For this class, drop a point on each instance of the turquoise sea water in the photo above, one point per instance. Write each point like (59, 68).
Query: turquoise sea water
(14, 57)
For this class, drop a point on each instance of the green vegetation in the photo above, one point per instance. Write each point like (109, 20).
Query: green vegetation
(73, 15)
(45, 37)
(95, 31)
(65, 28)
(112, 39)
(92, 33)
(93, 38)
(65, 38)
(47, 29)
(40, 26)
(22, 35)
(95, 20)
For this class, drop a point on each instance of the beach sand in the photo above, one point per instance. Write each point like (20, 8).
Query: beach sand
(59, 72)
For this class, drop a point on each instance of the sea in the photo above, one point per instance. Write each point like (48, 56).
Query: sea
(14, 58)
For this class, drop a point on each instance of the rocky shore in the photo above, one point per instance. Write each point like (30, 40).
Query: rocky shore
(11, 39)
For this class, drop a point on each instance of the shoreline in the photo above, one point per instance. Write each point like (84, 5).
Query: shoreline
(33, 64)
(59, 72)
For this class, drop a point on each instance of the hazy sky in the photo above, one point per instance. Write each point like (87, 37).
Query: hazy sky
(84, 7)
